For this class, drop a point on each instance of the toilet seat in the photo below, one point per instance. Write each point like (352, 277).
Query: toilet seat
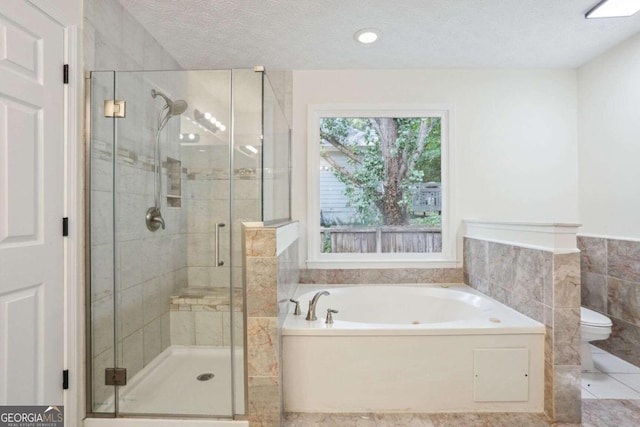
(594, 319)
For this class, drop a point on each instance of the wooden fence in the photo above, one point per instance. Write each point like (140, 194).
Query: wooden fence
(382, 239)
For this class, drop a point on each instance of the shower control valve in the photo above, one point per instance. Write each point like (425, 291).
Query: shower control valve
(154, 219)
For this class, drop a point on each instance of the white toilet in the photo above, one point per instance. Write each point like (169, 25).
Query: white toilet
(593, 327)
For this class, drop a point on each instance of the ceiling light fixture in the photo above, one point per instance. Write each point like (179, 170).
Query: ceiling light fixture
(614, 9)
(189, 137)
(367, 35)
(206, 121)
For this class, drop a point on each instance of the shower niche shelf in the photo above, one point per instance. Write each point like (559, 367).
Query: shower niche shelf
(174, 183)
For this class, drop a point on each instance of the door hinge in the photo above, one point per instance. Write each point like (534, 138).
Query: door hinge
(65, 227)
(65, 74)
(115, 376)
(114, 108)
(65, 379)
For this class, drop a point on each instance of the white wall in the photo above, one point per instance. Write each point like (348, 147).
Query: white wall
(67, 12)
(515, 135)
(609, 149)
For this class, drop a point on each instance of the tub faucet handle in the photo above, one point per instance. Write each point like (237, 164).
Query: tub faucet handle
(296, 310)
(330, 313)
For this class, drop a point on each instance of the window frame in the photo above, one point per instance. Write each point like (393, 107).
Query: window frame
(445, 259)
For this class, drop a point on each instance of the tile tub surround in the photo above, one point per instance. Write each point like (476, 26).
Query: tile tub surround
(611, 285)
(371, 276)
(544, 286)
(271, 276)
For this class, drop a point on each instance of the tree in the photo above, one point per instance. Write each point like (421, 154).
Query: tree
(386, 157)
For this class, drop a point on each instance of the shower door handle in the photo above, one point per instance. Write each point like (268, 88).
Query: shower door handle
(218, 226)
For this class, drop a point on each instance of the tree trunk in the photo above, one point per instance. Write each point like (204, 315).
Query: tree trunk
(393, 212)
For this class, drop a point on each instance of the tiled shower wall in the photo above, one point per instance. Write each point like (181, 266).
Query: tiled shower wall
(611, 285)
(546, 287)
(207, 196)
(149, 266)
(271, 279)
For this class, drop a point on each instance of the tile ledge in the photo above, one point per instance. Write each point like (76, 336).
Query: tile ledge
(559, 238)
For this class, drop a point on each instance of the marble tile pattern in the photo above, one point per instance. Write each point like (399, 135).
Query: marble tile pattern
(380, 276)
(264, 409)
(212, 299)
(262, 347)
(271, 277)
(609, 412)
(261, 281)
(595, 413)
(546, 287)
(611, 285)
(260, 242)
(567, 391)
(416, 420)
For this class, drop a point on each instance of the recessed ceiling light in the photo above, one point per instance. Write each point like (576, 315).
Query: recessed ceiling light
(614, 9)
(367, 35)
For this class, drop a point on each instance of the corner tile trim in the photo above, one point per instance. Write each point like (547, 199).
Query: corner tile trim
(559, 238)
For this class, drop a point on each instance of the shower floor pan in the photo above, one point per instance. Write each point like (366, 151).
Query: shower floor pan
(170, 384)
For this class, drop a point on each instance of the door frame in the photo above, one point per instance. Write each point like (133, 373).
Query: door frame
(74, 317)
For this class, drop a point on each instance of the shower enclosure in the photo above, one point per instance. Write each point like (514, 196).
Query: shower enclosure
(176, 161)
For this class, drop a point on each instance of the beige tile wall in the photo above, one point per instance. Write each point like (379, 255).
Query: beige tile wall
(611, 285)
(380, 276)
(546, 287)
(271, 277)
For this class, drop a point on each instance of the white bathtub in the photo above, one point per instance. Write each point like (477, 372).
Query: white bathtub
(406, 348)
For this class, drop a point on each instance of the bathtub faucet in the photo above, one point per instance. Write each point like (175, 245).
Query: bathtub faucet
(311, 314)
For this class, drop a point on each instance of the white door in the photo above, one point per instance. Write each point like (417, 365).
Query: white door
(31, 206)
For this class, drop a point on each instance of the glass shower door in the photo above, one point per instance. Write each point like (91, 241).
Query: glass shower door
(167, 206)
(100, 297)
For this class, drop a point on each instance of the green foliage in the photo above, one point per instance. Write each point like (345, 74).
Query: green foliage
(365, 174)
(326, 242)
(431, 219)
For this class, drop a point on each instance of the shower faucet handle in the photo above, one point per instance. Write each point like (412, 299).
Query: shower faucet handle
(296, 310)
(154, 219)
(330, 313)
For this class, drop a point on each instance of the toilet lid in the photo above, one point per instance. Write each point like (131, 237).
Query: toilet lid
(592, 318)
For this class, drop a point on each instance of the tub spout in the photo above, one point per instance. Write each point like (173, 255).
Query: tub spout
(311, 314)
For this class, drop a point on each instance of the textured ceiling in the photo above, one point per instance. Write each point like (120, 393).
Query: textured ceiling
(318, 34)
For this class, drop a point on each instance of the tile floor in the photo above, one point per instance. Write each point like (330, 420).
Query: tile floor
(595, 413)
(612, 399)
(614, 378)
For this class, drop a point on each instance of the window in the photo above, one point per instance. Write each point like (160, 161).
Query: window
(378, 185)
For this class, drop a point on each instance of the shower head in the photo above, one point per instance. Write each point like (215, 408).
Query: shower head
(178, 107)
(175, 108)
